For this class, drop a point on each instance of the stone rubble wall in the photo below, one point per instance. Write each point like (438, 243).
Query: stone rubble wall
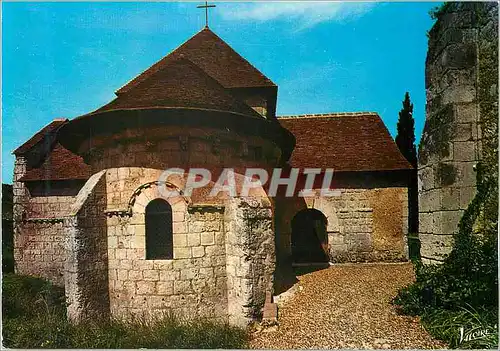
(250, 249)
(39, 250)
(223, 252)
(86, 266)
(193, 283)
(364, 225)
(38, 230)
(164, 147)
(451, 141)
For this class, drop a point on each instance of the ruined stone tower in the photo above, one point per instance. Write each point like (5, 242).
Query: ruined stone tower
(451, 143)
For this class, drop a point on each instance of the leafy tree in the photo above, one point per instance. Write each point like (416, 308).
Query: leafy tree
(405, 139)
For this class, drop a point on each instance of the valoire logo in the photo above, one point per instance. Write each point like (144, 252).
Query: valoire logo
(475, 334)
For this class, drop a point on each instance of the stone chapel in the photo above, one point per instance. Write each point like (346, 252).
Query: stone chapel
(89, 216)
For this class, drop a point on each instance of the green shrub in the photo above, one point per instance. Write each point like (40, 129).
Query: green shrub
(35, 317)
(29, 296)
(466, 328)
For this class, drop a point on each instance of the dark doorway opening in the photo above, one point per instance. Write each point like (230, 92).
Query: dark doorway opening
(309, 237)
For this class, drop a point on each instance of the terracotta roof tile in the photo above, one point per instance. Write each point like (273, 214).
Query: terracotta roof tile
(179, 83)
(59, 164)
(48, 130)
(216, 58)
(344, 141)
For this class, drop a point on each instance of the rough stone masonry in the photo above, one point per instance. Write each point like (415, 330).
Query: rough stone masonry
(90, 215)
(452, 138)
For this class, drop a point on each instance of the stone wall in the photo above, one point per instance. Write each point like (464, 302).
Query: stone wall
(366, 225)
(39, 250)
(86, 266)
(369, 224)
(173, 146)
(250, 249)
(223, 258)
(451, 142)
(193, 283)
(38, 230)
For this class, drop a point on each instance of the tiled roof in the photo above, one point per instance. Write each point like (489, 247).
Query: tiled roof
(346, 142)
(59, 164)
(47, 131)
(216, 58)
(179, 83)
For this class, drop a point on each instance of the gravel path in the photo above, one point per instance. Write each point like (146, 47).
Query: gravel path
(347, 306)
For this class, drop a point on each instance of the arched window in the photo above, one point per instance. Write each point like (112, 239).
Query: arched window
(159, 234)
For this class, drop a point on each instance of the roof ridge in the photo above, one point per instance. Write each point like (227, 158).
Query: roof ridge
(331, 114)
(189, 44)
(153, 68)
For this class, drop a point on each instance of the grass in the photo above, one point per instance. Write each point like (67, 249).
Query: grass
(34, 317)
(467, 328)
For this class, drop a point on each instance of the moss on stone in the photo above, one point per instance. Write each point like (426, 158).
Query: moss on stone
(446, 174)
(438, 132)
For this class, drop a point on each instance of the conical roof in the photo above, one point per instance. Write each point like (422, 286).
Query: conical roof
(216, 58)
(179, 83)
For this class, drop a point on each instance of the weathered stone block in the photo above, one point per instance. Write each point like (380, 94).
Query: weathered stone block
(193, 239)
(182, 252)
(134, 275)
(430, 200)
(152, 275)
(425, 222)
(121, 254)
(189, 273)
(165, 288)
(196, 226)
(435, 246)
(179, 227)
(459, 56)
(198, 251)
(180, 240)
(206, 272)
(112, 242)
(463, 133)
(179, 216)
(169, 275)
(466, 196)
(139, 242)
(466, 176)
(464, 151)
(182, 287)
(466, 113)
(145, 288)
(450, 220)
(449, 198)
(459, 94)
(207, 238)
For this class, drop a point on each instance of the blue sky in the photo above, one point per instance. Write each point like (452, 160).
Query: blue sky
(66, 59)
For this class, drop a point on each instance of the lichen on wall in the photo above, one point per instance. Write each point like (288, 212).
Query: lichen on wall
(461, 78)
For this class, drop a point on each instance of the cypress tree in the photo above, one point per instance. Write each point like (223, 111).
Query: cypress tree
(405, 139)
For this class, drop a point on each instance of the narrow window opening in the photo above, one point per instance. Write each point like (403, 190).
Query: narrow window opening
(159, 232)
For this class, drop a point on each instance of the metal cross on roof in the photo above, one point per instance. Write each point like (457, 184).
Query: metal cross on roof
(206, 7)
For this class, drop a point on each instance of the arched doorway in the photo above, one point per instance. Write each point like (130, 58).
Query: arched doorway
(309, 237)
